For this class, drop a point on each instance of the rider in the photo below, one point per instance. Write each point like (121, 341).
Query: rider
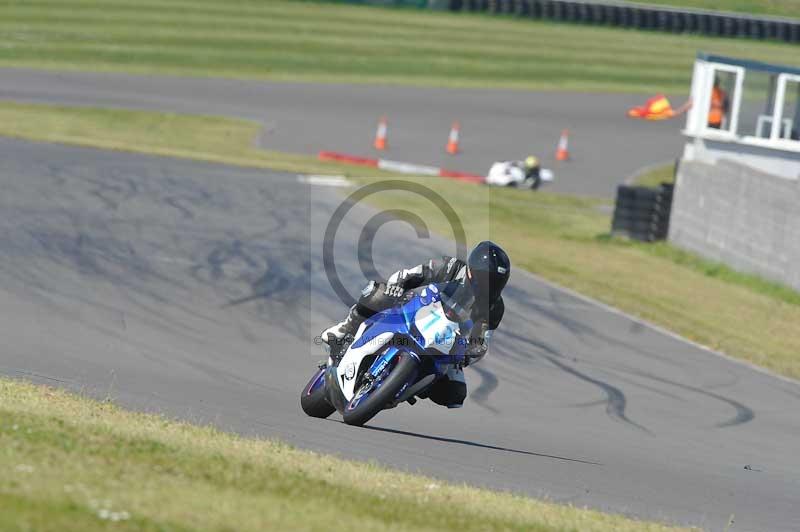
(486, 272)
(533, 169)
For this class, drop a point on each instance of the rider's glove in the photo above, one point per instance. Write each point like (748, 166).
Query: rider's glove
(477, 343)
(475, 352)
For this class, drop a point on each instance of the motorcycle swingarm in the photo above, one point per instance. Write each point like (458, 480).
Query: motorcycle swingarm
(418, 387)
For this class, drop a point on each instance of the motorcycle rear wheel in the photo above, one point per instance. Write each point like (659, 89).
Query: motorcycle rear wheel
(361, 409)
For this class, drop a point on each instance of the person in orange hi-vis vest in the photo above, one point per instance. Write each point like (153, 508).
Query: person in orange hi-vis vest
(719, 105)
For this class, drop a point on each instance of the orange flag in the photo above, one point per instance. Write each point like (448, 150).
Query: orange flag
(657, 108)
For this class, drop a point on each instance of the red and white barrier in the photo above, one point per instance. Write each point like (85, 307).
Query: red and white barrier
(399, 167)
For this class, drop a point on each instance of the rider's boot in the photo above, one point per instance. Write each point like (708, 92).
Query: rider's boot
(341, 331)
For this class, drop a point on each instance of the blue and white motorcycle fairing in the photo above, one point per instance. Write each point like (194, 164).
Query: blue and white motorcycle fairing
(431, 327)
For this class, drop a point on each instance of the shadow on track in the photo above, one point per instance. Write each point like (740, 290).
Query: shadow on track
(476, 444)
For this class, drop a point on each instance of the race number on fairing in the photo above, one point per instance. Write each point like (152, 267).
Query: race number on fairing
(436, 329)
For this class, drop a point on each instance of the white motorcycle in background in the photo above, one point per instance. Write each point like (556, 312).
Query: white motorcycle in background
(512, 174)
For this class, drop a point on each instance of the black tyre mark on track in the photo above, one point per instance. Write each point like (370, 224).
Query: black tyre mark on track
(176, 203)
(744, 414)
(581, 330)
(113, 188)
(652, 389)
(616, 402)
(488, 384)
(615, 398)
(273, 282)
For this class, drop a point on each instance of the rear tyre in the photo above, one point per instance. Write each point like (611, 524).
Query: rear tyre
(313, 399)
(364, 407)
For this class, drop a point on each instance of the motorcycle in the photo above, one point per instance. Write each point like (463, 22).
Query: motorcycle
(395, 356)
(512, 174)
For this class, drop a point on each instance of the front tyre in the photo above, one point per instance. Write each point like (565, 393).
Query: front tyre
(368, 401)
(313, 399)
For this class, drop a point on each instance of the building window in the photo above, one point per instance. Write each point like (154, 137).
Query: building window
(758, 104)
(721, 99)
(787, 109)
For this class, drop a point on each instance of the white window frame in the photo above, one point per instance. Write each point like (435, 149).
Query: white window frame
(778, 119)
(767, 120)
(730, 133)
(693, 118)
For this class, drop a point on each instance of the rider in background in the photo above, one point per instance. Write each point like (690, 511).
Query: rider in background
(527, 173)
(486, 272)
(533, 170)
(720, 105)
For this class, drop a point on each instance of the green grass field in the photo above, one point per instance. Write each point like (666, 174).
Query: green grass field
(656, 175)
(562, 238)
(297, 41)
(783, 8)
(70, 464)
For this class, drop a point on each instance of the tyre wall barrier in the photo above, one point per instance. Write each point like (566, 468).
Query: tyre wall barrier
(642, 213)
(643, 17)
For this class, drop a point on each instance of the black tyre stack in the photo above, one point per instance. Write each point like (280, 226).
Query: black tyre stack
(634, 15)
(642, 213)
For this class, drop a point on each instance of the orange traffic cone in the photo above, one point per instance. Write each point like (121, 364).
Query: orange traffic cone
(562, 152)
(452, 140)
(380, 134)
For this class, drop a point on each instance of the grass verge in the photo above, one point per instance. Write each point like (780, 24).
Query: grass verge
(73, 464)
(561, 238)
(297, 41)
(781, 8)
(207, 138)
(654, 176)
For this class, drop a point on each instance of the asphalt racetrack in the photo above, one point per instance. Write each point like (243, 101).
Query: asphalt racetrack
(606, 147)
(195, 290)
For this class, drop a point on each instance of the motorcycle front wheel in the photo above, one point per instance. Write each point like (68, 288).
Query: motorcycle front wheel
(371, 399)
(314, 398)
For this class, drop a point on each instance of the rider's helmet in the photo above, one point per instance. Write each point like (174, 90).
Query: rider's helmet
(488, 269)
(531, 162)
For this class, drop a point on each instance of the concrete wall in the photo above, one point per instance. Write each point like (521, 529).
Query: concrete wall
(781, 163)
(739, 216)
